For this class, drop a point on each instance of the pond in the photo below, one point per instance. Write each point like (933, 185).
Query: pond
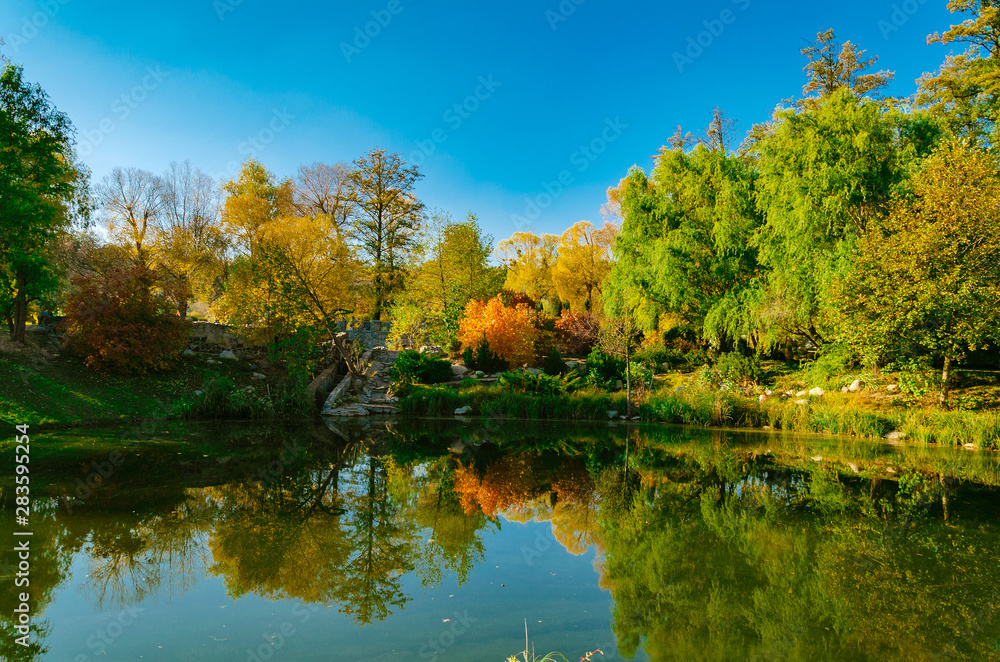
(447, 540)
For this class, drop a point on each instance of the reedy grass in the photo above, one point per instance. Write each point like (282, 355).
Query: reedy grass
(833, 413)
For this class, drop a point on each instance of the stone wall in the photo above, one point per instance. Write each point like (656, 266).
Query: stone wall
(210, 336)
(370, 333)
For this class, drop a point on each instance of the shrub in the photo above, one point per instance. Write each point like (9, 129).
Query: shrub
(554, 364)
(738, 369)
(117, 323)
(509, 330)
(523, 382)
(483, 358)
(577, 331)
(412, 367)
(604, 371)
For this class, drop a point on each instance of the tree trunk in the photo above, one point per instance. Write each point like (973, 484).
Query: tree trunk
(628, 381)
(20, 309)
(945, 382)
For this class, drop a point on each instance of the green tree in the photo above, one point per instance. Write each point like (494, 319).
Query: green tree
(452, 269)
(685, 251)
(388, 217)
(927, 276)
(834, 67)
(42, 191)
(824, 174)
(965, 91)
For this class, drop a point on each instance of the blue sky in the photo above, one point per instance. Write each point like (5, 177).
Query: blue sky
(577, 90)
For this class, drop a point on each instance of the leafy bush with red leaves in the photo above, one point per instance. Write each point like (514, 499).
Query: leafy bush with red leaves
(118, 323)
(577, 331)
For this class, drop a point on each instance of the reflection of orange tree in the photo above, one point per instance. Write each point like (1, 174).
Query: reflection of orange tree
(508, 482)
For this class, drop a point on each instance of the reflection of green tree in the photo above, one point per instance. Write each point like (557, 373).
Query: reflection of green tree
(735, 560)
(381, 543)
(50, 563)
(426, 494)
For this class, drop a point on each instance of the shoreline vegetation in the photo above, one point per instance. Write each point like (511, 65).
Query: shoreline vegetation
(720, 410)
(56, 393)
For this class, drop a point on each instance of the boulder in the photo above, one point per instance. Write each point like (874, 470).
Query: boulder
(226, 354)
(534, 372)
(801, 394)
(892, 389)
(463, 411)
(459, 370)
(801, 402)
(845, 390)
(431, 350)
(817, 392)
(893, 436)
(856, 386)
(612, 414)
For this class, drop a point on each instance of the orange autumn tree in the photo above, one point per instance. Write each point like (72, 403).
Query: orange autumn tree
(509, 330)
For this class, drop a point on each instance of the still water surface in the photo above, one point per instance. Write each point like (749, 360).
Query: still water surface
(430, 540)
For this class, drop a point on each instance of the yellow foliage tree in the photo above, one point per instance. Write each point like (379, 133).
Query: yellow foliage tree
(583, 263)
(529, 260)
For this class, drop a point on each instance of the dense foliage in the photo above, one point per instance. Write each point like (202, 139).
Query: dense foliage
(120, 324)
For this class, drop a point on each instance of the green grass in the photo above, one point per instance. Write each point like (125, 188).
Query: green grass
(833, 414)
(60, 393)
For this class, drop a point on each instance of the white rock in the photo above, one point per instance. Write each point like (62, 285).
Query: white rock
(432, 350)
(533, 371)
(463, 411)
(801, 394)
(893, 436)
(459, 370)
(892, 389)
(572, 365)
(768, 392)
(226, 354)
(259, 376)
(817, 392)
(762, 398)
(612, 414)
(188, 352)
(854, 467)
(801, 402)
(817, 458)
(198, 393)
(211, 361)
(856, 386)
(845, 390)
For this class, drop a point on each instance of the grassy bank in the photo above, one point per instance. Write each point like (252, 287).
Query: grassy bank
(47, 391)
(834, 413)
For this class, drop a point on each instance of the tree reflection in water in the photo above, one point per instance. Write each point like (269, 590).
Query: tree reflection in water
(713, 546)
